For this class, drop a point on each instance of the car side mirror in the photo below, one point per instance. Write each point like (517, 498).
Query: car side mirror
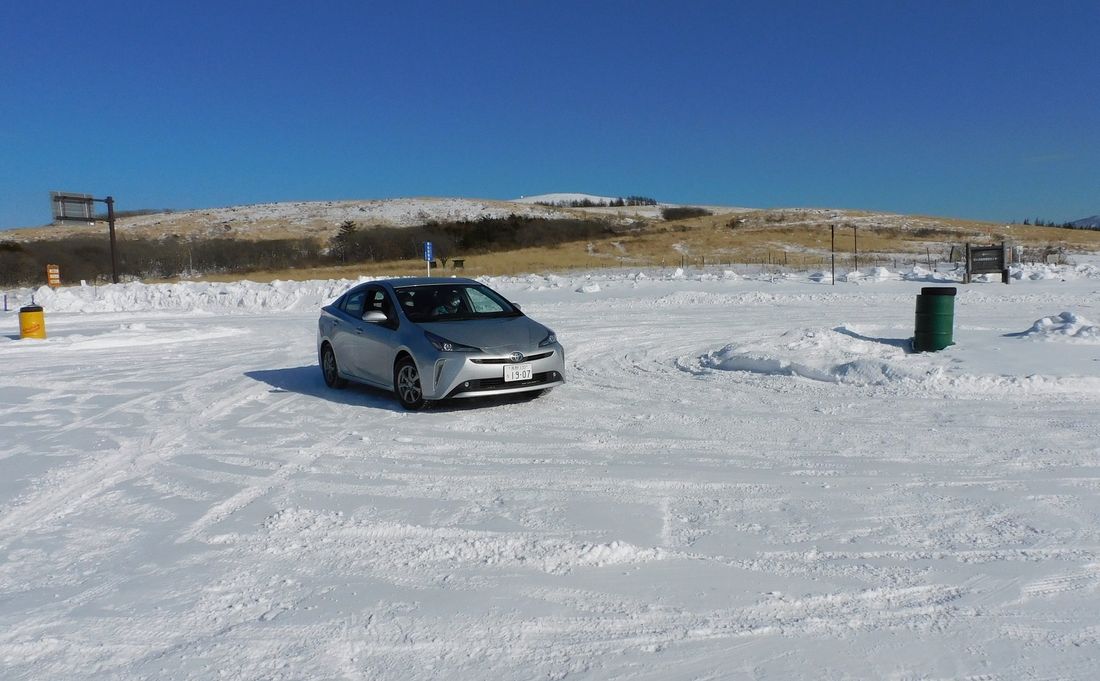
(375, 317)
(516, 305)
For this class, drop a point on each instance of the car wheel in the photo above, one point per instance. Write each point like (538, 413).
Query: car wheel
(406, 385)
(330, 370)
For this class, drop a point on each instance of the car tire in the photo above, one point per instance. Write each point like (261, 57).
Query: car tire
(406, 385)
(330, 370)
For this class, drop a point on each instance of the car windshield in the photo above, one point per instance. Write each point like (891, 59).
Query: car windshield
(453, 302)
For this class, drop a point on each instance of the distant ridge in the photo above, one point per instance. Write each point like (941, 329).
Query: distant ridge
(1087, 223)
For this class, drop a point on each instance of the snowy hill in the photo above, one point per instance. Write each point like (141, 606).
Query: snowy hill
(299, 218)
(1088, 223)
(322, 218)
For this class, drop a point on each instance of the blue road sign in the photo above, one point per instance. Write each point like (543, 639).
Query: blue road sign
(427, 250)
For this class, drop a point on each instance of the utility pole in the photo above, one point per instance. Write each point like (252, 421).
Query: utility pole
(110, 201)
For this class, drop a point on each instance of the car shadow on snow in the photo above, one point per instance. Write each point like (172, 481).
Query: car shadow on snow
(307, 380)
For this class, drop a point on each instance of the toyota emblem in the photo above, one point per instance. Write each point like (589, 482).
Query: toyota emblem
(516, 357)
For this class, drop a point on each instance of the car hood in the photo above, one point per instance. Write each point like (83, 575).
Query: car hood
(505, 333)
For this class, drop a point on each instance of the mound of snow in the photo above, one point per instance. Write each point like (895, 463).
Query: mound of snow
(876, 274)
(918, 273)
(840, 355)
(1064, 325)
(731, 358)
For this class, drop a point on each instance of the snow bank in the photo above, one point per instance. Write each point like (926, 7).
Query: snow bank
(242, 296)
(247, 296)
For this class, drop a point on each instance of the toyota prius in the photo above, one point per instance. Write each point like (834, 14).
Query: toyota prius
(432, 339)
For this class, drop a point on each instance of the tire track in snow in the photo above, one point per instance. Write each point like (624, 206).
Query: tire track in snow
(297, 463)
(75, 488)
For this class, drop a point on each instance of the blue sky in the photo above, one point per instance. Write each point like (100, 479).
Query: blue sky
(987, 110)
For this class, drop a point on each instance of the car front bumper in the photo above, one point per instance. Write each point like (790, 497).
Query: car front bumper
(459, 375)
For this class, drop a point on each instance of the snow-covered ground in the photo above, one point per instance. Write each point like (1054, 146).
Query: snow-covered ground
(745, 477)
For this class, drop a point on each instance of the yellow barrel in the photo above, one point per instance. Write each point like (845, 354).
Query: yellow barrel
(32, 322)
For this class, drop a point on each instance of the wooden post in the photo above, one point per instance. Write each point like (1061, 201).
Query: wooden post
(855, 247)
(832, 249)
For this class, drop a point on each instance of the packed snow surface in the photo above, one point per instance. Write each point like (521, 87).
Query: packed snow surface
(746, 475)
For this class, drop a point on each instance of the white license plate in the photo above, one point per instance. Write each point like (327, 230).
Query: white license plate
(518, 372)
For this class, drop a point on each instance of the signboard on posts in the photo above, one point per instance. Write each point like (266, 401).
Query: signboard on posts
(987, 260)
(428, 250)
(53, 276)
(67, 206)
(80, 208)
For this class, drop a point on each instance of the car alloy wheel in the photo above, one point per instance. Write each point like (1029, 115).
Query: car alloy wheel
(407, 385)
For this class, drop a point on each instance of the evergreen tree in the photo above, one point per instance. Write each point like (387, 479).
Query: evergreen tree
(342, 242)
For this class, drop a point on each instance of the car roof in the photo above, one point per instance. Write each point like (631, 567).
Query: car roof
(423, 281)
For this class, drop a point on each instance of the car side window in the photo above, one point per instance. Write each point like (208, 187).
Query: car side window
(410, 300)
(353, 304)
(378, 301)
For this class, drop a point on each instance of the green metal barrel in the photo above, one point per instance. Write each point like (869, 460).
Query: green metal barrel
(935, 318)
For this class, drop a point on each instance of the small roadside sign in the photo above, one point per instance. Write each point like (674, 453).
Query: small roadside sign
(428, 256)
(986, 260)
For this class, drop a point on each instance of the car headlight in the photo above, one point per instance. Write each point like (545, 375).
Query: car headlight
(440, 343)
(550, 339)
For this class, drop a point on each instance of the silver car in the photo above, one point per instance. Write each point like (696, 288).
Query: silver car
(431, 339)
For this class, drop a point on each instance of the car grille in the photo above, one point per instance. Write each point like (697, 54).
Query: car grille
(478, 385)
(505, 360)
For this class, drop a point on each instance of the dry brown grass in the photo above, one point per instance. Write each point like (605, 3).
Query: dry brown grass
(797, 237)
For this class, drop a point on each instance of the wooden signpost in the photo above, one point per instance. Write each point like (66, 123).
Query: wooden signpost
(986, 260)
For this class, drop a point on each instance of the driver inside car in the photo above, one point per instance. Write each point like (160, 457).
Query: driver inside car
(447, 303)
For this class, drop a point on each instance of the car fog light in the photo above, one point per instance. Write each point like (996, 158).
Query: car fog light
(466, 384)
